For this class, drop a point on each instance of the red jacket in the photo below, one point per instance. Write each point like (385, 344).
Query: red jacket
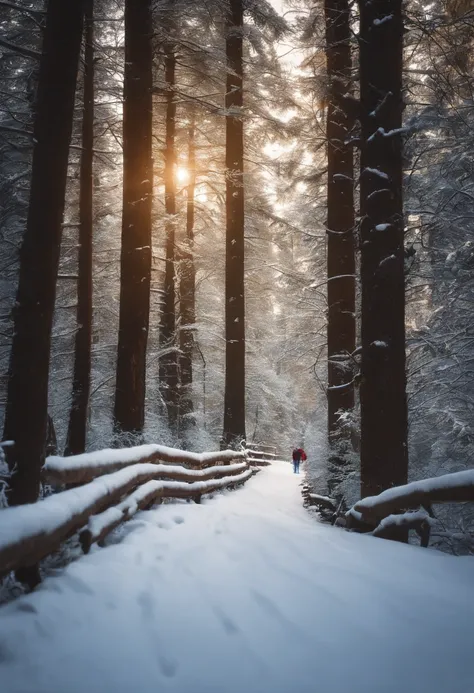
(299, 455)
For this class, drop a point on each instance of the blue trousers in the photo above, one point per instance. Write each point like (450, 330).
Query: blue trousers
(296, 466)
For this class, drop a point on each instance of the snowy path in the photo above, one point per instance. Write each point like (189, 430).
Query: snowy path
(245, 594)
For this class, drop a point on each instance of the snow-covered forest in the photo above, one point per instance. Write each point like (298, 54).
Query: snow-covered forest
(298, 123)
(235, 233)
(156, 346)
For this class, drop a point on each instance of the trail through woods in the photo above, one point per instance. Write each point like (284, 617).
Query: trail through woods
(245, 592)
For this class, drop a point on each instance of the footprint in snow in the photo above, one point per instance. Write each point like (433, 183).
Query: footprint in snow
(77, 584)
(6, 654)
(26, 607)
(179, 520)
(227, 623)
(168, 667)
(146, 604)
(271, 609)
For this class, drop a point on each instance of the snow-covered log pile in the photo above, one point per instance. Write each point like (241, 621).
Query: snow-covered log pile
(29, 533)
(410, 506)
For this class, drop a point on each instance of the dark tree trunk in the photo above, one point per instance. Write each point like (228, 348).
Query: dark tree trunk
(168, 370)
(27, 394)
(136, 219)
(384, 454)
(77, 429)
(188, 293)
(340, 228)
(234, 397)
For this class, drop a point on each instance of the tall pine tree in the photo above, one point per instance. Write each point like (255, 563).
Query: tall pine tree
(135, 265)
(384, 452)
(169, 361)
(77, 428)
(187, 290)
(340, 228)
(234, 396)
(27, 394)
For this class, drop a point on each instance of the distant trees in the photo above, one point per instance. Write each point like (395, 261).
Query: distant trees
(187, 290)
(202, 62)
(27, 389)
(251, 299)
(77, 428)
(384, 449)
(234, 394)
(129, 410)
(168, 369)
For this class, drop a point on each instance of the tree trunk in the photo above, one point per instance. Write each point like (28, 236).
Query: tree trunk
(77, 429)
(27, 393)
(384, 453)
(168, 370)
(234, 397)
(188, 292)
(340, 230)
(135, 267)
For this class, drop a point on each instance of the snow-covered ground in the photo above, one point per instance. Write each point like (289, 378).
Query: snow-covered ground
(245, 593)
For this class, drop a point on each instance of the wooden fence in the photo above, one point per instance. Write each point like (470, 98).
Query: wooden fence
(410, 507)
(109, 487)
(261, 454)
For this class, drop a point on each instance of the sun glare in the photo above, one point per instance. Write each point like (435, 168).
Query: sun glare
(182, 174)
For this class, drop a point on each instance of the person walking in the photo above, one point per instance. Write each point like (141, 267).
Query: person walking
(299, 455)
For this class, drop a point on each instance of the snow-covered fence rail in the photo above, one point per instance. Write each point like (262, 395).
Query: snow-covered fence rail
(79, 469)
(261, 454)
(410, 506)
(127, 481)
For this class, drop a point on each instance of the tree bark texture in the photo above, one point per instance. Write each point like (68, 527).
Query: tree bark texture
(77, 428)
(384, 455)
(340, 219)
(234, 397)
(188, 291)
(129, 412)
(168, 370)
(27, 392)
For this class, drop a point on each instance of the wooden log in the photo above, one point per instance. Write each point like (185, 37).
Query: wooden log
(101, 525)
(37, 530)
(321, 501)
(390, 526)
(449, 488)
(259, 462)
(80, 469)
(355, 522)
(261, 454)
(262, 446)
